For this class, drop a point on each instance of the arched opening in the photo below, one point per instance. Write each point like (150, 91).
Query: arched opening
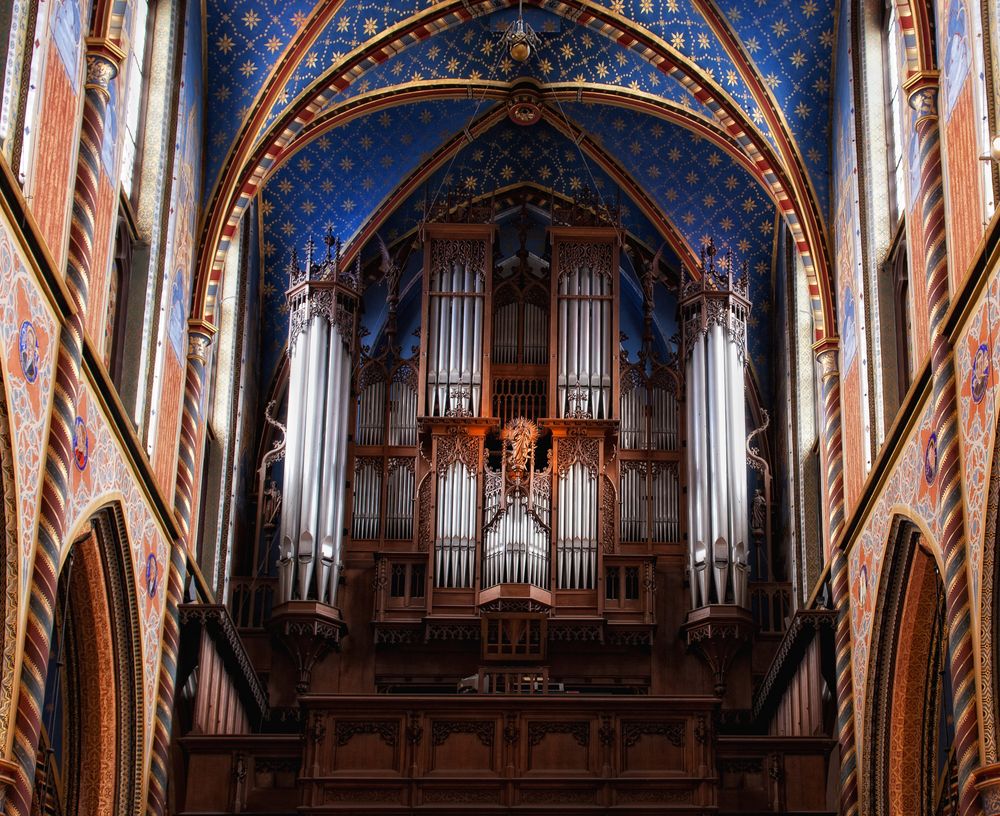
(89, 759)
(909, 696)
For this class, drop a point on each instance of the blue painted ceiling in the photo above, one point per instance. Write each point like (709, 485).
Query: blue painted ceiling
(341, 178)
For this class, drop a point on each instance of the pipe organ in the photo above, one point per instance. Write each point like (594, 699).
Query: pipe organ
(517, 456)
(714, 311)
(323, 307)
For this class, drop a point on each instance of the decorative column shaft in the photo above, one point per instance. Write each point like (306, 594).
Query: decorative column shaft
(922, 92)
(845, 688)
(833, 457)
(200, 337)
(103, 60)
(714, 309)
(832, 437)
(159, 756)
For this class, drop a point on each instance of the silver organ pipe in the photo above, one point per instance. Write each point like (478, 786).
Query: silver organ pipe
(665, 500)
(516, 538)
(455, 542)
(315, 398)
(455, 331)
(663, 419)
(399, 499)
(576, 541)
(403, 408)
(633, 412)
(292, 493)
(321, 338)
(334, 474)
(583, 383)
(633, 501)
(367, 491)
(370, 424)
(505, 334)
(536, 334)
(715, 308)
(697, 462)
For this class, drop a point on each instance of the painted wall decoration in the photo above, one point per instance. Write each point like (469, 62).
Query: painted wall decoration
(67, 34)
(906, 492)
(30, 343)
(108, 477)
(180, 255)
(849, 271)
(56, 98)
(963, 137)
(976, 359)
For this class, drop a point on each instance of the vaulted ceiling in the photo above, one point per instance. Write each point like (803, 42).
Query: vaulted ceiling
(708, 119)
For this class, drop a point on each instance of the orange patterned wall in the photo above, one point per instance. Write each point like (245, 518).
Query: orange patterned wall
(53, 167)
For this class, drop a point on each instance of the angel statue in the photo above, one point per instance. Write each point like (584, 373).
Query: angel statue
(520, 435)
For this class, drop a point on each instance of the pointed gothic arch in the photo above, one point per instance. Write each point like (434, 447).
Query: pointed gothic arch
(93, 697)
(907, 680)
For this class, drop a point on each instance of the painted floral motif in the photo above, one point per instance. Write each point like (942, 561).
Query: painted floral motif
(980, 373)
(27, 350)
(930, 459)
(81, 444)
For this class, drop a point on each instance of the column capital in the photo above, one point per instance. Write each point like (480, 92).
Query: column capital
(104, 60)
(921, 89)
(202, 327)
(827, 352)
(201, 333)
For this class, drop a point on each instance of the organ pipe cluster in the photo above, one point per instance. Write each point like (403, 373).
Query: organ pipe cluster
(714, 308)
(323, 304)
(586, 331)
(456, 304)
(517, 509)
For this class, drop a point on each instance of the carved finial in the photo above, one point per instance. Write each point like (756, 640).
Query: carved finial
(329, 240)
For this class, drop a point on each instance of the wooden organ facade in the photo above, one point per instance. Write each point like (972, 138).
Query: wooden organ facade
(517, 490)
(489, 598)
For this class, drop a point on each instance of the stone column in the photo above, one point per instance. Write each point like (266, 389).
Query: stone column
(159, 754)
(922, 94)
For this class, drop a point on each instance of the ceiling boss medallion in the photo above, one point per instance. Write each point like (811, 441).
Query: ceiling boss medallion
(524, 106)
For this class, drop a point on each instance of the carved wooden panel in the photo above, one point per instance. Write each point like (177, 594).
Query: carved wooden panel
(366, 745)
(558, 746)
(653, 747)
(463, 745)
